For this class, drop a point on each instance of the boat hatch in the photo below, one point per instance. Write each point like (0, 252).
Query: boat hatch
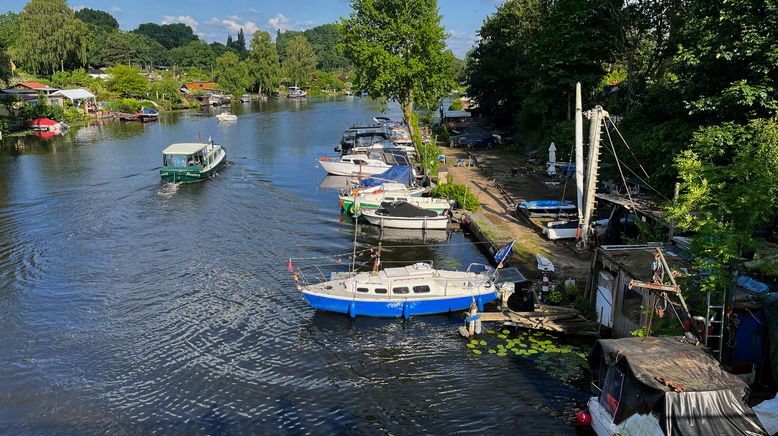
(480, 268)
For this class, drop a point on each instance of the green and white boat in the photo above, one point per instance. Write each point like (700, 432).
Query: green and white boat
(371, 198)
(191, 162)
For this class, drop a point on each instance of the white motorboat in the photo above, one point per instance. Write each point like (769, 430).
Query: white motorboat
(357, 165)
(354, 201)
(385, 145)
(404, 215)
(569, 229)
(245, 98)
(227, 116)
(295, 92)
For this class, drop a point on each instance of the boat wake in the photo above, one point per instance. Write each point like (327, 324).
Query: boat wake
(168, 189)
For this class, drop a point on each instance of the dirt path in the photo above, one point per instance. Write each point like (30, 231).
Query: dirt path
(527, 184)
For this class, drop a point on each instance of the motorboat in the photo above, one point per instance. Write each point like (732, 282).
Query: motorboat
(245, 98)
(384, 145)
(665, 385)
(547, 208)
(416, 289)
(569, 229)
(227, 116)
(357, 165)
(404, 215)
(352, 203)
(295, 92)
(192, 162)
(47, 125)
(146, 115)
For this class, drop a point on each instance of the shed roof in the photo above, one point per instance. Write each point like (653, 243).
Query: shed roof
(637, 260)
(185, 148)
(75, 94)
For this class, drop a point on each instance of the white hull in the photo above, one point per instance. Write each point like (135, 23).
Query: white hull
(227, 117)
(569, 229)
(637, 424)
(419, 223)
(349, 169)
(375, 200)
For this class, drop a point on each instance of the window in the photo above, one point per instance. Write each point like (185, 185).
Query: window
(611, 390)
(362, 290)
(421, 289)
(400, 290)
(381, 290)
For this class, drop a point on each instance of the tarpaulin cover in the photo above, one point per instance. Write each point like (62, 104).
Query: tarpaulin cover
(397, 173)
(402, 209)
(771, 314)
(712, 401)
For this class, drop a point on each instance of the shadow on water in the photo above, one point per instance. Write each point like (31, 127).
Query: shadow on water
(133, 305)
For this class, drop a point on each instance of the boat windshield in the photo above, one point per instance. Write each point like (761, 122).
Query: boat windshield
(176, 160)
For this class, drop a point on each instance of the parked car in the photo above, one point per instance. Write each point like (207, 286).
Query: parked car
(472, 137)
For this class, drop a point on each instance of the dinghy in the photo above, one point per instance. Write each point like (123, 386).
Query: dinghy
(546, 208)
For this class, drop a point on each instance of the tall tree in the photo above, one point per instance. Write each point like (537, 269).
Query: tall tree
(195, 54)
(397, 47)
(263, 63)
(169, 35)
(325, 40)
(233, 75)
(300, 61)
(282, 40)
(97, 18)
(50, 37)
(9, 29)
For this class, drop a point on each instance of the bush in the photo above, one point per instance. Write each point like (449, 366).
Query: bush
(74, 115)
(5, 125)
(453, 191)
(456, 105)
(42, 109)
(125, 105)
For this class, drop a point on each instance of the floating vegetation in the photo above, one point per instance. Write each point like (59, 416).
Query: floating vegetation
(543, 350)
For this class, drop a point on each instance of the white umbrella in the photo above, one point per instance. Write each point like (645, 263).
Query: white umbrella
(551, 159)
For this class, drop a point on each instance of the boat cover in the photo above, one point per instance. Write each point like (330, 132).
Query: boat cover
(403, 209)
(547, 204)
(397, 173)
(712, 400)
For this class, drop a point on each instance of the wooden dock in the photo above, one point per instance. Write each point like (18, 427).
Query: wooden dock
(548, 318)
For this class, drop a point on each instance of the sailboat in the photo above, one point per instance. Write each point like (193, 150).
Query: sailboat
(583, 227)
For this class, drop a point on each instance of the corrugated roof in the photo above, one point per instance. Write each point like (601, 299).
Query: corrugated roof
(184, 148)
(75, 94)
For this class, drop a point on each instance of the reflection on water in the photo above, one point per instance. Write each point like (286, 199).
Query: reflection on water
(129, 305)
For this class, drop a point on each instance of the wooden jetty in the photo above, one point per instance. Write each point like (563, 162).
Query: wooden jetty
(547, 318)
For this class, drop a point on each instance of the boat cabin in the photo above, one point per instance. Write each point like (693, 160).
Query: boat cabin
(187, 155)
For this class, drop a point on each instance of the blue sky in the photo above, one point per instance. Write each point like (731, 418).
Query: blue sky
(212, 20)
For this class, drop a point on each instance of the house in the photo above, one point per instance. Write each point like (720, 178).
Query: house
(34, 88)
(79, 97)
(97, 73)
(198, 87)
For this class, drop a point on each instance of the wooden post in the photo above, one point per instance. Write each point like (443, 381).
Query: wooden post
(671, 233)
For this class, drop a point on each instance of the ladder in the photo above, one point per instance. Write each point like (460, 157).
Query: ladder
(717, 334)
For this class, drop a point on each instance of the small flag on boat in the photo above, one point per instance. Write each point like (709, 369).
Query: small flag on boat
(503, 253)
(290, 265)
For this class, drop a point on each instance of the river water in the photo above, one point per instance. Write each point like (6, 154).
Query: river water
(129, 305)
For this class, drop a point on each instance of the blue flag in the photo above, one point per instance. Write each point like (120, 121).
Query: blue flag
(503, 253)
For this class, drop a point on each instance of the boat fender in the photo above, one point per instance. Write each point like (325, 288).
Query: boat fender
(406, 311)
(352, 311)
(480, 304)
(325, 158)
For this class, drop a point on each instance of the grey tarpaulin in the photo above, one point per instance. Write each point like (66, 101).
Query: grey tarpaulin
(712, 401)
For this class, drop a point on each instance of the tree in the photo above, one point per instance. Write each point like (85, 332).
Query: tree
(282, 40)
(195, 54)
(127, 80)
(219, 49)
(300, 60)
(76, 78)
(97, 18)
(325, 40)
(169, 35)
(398, 48)
(5, 67)
(232, 73)
(263, 63)
(238, 45)
(50, 37)
(167, 89)
(9, 29)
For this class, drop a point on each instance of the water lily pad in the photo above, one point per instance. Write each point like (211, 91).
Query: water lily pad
(491, 351)
(482, 342)
(500, 346)
(477, 351)
(581, 355)
(474, 341)
(502, 336)
(532, 351)
(490, 331)
(470, 345)
(506, 332)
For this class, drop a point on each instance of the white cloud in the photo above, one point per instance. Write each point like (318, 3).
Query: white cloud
(185, 19)
(279, 23)
(460, 42)
(78, 8)
(116, 9)
(233, 25)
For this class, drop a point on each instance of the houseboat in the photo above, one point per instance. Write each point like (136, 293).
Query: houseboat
(192, 162)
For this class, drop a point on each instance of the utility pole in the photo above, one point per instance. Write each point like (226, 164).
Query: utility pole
(596, 117)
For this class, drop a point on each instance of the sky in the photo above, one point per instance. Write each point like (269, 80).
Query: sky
(213, 20)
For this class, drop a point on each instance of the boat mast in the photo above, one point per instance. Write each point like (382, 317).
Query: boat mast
(596, 117)
(579, 162)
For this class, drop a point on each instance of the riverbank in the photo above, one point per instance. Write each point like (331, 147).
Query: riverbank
(499, 165)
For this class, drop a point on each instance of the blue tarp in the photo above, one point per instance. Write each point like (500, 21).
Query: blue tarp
(397, 173)
(752, 285)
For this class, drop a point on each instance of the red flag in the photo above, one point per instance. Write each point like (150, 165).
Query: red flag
(290, 265)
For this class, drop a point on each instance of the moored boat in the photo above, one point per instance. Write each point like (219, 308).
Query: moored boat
(245, 98)
(372, 200)
(546, 208)
(569, 229)
(147, 114)
(295, 92)
(358, 165)
(404, 215)
(192, 162)
(417, 289)
(227, 116)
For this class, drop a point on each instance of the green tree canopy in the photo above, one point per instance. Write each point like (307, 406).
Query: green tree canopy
(169, 35)
(397, 47)
(232, 73)
(300, 61)
(219, 49)
(9, 30)
(325, 40)
(127, 80)
(195, 54)
(263, 63)
(50, 37)
(238, 45)
(97, 18)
